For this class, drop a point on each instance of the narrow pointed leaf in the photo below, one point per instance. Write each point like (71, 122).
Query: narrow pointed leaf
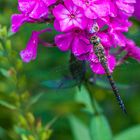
(83, 97)
(99, 128)
(79, 129)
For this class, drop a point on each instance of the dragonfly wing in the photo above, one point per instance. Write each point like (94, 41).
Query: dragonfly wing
(101, 82)
(63, 83)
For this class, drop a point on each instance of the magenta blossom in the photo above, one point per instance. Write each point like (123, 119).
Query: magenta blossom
(92, 8)
(126, 6)
(18, 20)
(132, 50)
(77, 21)
(30, 52)
(75, 41)
(69, 16)
(30, 11)
(137, 8)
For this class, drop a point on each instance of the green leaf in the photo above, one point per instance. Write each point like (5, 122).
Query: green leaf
(99, 128)
(129, 134)
(79, 129)
(7, 105)
(82, 96)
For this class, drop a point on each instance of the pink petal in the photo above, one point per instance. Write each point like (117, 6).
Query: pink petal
(81, 46)
(90, 14)
(26, 6)
(105, 40)
(49, 2)
(69, 16)
(137, 9)
(132, 50)
(17, 21)
(30, 52)
(125, 7)
(40, 10)
(60, 12)
(63, 41)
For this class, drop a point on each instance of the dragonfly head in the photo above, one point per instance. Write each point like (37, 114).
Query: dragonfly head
(95, 40)
(94, 28)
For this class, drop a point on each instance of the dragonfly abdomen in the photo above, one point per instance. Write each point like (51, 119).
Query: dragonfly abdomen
(115, 89)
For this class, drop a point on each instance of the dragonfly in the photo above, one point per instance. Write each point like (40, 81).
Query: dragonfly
(100, 53)
(78, 70)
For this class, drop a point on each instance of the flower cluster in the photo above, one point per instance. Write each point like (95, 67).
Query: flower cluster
(137, 7)
(76, 20)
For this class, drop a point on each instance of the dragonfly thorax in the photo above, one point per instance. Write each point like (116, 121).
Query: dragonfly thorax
(95, 40)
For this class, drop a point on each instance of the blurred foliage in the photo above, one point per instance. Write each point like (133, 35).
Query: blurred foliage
(15, 98)
(29, 111)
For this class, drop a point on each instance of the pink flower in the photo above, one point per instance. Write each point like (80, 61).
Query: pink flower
(76, 21)
(126, 6)
(96, 8)
(137, 9)
(31, 11)
(30, 52)
(75, 40)
(132, 50)
(35, 9)
(69, 16)
(18, 20)
(118, 39)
